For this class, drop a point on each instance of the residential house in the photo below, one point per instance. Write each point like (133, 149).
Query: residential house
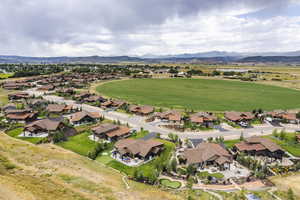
(203, 118)
(47, 87)
(84, 117)
(82, 96)
(113, 104)
(43, 127)
(208, 154)
(68, 91)
(241, 118)
(138, 148)
(59, 108)
(94, 99)
(37, 103)
(141, 110)
(111, 132)
(258, 146)
(285, 117)
(18, 96)
(20, 116)
(170, 116)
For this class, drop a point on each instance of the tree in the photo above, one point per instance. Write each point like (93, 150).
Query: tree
(242, 136)
(290, 194)
(298, 115)
(191, 169)
(174, 165)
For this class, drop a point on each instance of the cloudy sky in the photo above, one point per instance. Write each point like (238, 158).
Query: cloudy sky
(138, 27)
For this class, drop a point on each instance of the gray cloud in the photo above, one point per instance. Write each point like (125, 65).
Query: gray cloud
(34, 22)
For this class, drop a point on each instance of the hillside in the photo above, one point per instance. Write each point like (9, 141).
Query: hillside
(50, 172)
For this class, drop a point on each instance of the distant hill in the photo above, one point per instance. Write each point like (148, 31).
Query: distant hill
(282, 59)
(210, 57)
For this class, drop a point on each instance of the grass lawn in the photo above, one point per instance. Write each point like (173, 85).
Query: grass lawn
(80, 144)
(170, 184)
(3, 96)
(205, 174)
(202, 94)
(289, 144)
(230, 143)
(6, 75)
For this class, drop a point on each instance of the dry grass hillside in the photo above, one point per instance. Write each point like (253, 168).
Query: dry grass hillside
(49, 172)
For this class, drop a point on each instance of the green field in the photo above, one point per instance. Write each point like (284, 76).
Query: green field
(202, 94)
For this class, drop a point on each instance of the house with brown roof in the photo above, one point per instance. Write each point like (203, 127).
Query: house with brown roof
(141, 110)
(82, 96)
(258, 146)
(47, 87)
(18, 96)
(66, 91)
(203, 118)
(241, 118)
(138, 148)
(208, 154)
(94, 99)
(113, 104)
(59, 108)
(47, 127)
(170, 116)
(110, 132)
(84, 117)
(285, 117)
(20, 116)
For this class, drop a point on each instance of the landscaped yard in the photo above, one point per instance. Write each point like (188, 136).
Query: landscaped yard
(230, 143)
(170, 184)
(202, 94)
(288, 144)
(80, 144)
(205, 174)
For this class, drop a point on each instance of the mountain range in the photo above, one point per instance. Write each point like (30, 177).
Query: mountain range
(212, 56)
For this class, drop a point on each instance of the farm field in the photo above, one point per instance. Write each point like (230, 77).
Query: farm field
(202, 94)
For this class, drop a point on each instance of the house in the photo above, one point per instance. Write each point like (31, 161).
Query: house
(283, 117)
(47, 87)
(203, 118)
(258, 146)
(241, 118)
(18, 96)
(111, 132)
(141, 110)
(208, 154)
(21, 116)
(9, 106)
(82, 96)
(84, 117)
(34, 103)
(94, 98)
(113, 104)
(43, 127)
(138, 148)
(171, 116)
(59, 108)
(68, 91)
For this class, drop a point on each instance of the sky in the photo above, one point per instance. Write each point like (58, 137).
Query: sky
(147, 27)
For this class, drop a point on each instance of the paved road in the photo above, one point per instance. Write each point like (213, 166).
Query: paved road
(138, 122)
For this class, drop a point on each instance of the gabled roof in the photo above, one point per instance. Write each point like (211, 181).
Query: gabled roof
(141, 109)
(56, 107)
(80, 115)
(236, 116)
(256, 143)
(201, 117)
(45, 124)
(205, 152)
(137, 146)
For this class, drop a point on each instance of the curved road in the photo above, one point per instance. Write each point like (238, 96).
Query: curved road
(138, 122)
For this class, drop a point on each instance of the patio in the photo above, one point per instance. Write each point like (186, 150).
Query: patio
(129, 161)
(236, 171)
(33, 135)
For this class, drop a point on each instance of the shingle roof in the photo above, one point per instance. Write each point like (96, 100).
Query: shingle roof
(80, 115)
(205, 152)
(137, 146)
(45, 124)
